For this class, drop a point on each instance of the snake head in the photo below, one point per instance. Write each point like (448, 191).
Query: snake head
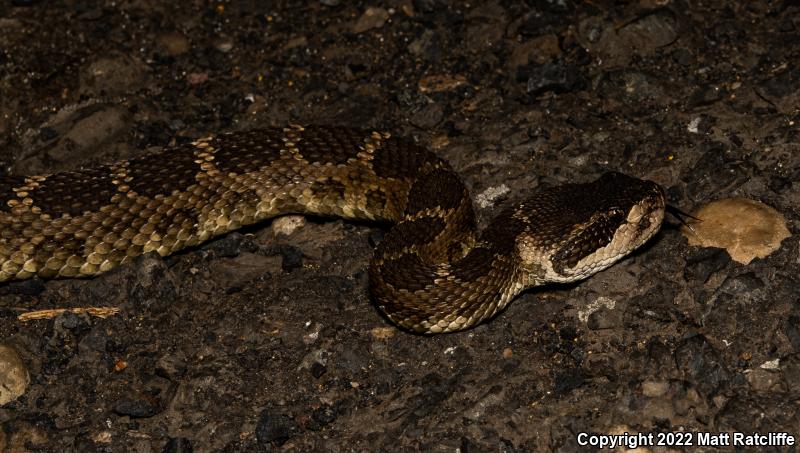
(591, 226)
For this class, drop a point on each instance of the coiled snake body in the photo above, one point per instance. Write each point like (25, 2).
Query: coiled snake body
(433, 272)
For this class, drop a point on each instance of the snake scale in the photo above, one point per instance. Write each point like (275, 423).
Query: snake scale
(433, 271)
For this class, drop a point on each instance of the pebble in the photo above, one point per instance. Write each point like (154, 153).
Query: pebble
(783, 90)
(762, 380)
(173, 43)
(427, 117)
(383, 333)
(274, 427)
(490, 195)
(540, 50)
(115, 75)
(288, 224)
(373, 17)
(196, 78)
(135, 408)
(556, 77)
(701, 364)
(14, 377)
(85, 129)
(701, 124)
(441, 82)
(317, 369)
(223, 44)
(426, 45)
(615, 45)
(654, 389)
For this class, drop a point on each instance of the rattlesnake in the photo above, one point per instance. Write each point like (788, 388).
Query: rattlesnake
(433, 272)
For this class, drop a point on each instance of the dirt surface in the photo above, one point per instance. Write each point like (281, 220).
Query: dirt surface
(262, 340)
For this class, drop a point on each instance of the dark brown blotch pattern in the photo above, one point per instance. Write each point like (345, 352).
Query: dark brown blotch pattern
(74, 193)
(249, 151)
(411, 233)
(330, 145)
(474, 265)
(162, 173)
(402, 159)
(408, 272)
(439, 188)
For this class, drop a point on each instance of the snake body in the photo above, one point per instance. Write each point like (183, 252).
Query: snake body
(433, 272)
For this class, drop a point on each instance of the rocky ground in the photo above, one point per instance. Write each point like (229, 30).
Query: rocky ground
(264, 340)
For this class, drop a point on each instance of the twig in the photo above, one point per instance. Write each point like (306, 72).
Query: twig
(100, 312)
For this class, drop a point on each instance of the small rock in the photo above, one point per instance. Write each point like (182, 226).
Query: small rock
(427, 46)
(324, 416)
(373, 17)
(783, 90)
(171, 367)
(382, 333)
(318, 369)
(774, 364)
(540, 50)
(224, 44)
(439, 83)
(173, 43)
(274, 427)
(762, 380)
(135, 408)
(114, 75)
(654, 389)
(427, 117)
(556, 77)
(490, 195)
(83, 131)
(746, 228)
(642, 36)
(701, 124)
(196, 78)
(178, 445)
(701, 364)
(288, 224)
(14, 377)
